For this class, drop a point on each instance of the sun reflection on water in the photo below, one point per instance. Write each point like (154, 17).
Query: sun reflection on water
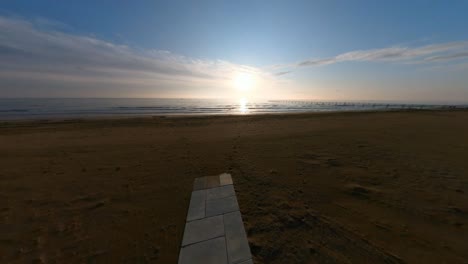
(243, 108)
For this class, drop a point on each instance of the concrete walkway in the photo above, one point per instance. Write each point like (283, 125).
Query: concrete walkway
(214, 232)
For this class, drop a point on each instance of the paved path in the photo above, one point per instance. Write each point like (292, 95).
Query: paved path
(214, 232)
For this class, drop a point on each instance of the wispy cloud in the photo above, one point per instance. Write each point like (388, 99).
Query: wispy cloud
(424, 54)
(30, 51)
(282, 73)
(449, 57)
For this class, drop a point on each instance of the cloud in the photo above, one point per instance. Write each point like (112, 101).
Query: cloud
(455, 56)
(37, 53)
(318, 62)
(424, 54)
(282, 73)
(39, 58)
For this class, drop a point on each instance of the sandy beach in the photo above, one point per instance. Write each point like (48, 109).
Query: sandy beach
(382, 187)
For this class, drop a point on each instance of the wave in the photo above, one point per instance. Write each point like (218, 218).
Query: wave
(45, 108)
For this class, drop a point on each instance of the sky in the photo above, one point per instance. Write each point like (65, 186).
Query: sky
(305, 50)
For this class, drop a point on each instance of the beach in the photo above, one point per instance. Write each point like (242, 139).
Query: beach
(355, 187)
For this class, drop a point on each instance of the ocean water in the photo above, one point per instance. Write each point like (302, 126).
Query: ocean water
(57, 108)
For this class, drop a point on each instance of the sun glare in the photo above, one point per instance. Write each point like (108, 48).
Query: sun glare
(244, 81)
(243, 108)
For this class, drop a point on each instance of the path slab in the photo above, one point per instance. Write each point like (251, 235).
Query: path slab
(197, 205)
(203, 229)
(212, 182)
(236, 239)
(214, 232)
(220, 192)
(221, 206)
(225, 179)
(199, 183)
(208, 252)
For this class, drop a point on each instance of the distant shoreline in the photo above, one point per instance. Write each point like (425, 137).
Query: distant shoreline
(100, 108)
(148, 117)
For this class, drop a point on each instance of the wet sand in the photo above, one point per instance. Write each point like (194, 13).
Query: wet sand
(312, 188)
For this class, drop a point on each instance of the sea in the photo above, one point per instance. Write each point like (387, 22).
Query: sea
(60, 108)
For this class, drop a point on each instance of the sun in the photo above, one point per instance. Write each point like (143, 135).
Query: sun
(244, 81)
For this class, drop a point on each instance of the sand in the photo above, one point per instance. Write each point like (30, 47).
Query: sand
(312, 188)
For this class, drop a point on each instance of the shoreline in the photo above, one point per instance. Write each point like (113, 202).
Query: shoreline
(112, 108)
(144, 117)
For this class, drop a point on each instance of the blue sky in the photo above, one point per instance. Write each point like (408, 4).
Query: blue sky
(369, 50)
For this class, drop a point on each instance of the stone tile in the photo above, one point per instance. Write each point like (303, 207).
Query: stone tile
(221, 206)
(197, 205)
(212, 182)
(212, 251)
(236, 240)
(220, 192)
(225, 179)
(199, 183)
(214, 232)
(203, 229)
